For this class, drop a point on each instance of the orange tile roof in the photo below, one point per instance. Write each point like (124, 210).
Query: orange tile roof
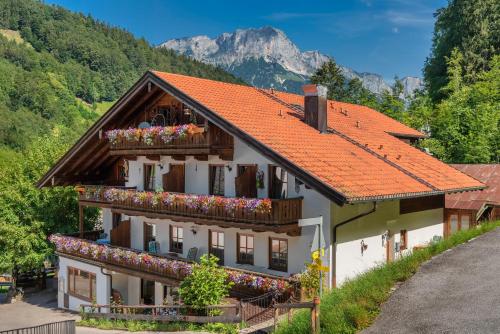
(361, 163)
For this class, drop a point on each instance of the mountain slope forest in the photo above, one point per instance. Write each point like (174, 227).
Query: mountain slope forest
(57, 71)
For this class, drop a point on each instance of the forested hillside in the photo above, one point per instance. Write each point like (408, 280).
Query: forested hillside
(57, 70)
(67, 55)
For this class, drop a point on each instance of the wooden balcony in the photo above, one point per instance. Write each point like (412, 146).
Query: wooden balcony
(200, 144)
(282, 217)
(160, 268)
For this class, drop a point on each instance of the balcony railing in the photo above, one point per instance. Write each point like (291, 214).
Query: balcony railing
(163, 266)
(262, 212)
(196, 141)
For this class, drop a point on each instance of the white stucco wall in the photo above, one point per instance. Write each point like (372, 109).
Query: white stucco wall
(196, 175)
(103, 284)
(421, 228)
(120, 283)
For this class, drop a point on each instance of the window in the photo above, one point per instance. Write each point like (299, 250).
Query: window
(150, 238)
(245, 249)
(149, 177)
(176, 239)
(278, 257)
(81, 284)
(403, 236)
(216, 242)
(216, 181)
(278, 182)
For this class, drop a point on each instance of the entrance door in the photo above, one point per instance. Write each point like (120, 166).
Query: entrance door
(174, 180)
(246, 181)
(147, 292)
(389, 244)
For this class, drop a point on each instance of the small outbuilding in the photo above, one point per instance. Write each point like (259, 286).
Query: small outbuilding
(466, 209)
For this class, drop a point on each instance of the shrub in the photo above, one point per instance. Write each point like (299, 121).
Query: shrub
(207, 285)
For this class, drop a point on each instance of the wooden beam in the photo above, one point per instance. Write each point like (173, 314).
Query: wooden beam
(153, 157)
(161, 151)
(72, 166)
(81, 220)
(99, 156)
(291, 229)
(179, 157)
(148, 99)
(123, 117)
(201, 157)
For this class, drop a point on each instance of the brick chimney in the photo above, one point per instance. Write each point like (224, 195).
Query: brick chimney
(315, 106)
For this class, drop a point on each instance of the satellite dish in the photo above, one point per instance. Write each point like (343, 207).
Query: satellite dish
(144, 125)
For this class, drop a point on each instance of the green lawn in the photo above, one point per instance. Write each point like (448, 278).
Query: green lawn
(135, 326)
(356, 304)
(102, 107)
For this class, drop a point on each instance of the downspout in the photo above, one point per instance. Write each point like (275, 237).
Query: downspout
(110, 284)
(334, 238)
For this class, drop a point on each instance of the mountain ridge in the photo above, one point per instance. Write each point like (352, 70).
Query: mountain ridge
(266, 57)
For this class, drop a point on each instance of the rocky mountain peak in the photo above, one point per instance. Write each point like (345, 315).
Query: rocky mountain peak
(267, 57)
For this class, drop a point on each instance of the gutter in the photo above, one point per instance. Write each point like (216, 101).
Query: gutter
(334, 238)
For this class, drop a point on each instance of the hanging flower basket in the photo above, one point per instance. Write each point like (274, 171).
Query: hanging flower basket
(175, 268)
(203, 203)
(165, 134)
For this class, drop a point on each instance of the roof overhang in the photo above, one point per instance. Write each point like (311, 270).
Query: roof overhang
(149, 79)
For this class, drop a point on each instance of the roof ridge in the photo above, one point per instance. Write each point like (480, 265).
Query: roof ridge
(354, 142)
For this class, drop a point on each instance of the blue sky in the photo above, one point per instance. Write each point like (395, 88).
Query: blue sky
(382, 36)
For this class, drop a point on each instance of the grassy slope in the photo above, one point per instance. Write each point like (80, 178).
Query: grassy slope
(357, 303)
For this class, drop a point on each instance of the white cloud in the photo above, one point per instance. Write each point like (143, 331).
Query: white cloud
(408, 19)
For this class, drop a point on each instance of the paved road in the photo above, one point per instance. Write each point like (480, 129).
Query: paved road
(456, 292)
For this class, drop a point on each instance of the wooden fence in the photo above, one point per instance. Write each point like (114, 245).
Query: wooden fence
(230, 313)
(313, 306)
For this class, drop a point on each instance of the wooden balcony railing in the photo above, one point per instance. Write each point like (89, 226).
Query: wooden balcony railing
(282, 212)
(127, 259)
(212, 141)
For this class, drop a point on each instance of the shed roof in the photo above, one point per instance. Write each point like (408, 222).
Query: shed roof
(489, 174)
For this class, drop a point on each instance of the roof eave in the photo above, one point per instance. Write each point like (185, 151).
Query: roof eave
(93, 130)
